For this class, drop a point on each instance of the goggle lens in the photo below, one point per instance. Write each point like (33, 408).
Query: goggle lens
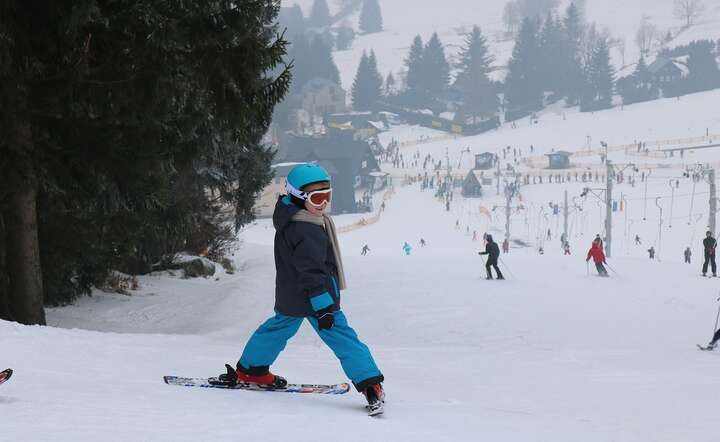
(320, 197)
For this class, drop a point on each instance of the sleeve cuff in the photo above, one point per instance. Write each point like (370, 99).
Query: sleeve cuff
(321, 301)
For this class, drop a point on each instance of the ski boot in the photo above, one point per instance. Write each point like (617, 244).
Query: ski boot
(376, 399)
(234, 376)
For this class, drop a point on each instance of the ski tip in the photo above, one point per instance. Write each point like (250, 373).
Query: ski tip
(167, 379)
(8, 373)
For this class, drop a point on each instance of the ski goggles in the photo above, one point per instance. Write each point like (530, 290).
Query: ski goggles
(317, 198)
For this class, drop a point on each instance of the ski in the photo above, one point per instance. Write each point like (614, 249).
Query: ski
(5, 375)
(708, 348)
(290, 388)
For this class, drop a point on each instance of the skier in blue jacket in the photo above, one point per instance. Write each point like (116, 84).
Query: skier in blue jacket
(307, 286)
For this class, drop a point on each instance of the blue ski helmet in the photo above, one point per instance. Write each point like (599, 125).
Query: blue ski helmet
(304, 174)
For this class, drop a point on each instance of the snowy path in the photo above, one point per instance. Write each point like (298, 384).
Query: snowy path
(552, 356)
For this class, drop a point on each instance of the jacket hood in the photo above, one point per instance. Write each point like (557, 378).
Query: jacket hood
(284, 211)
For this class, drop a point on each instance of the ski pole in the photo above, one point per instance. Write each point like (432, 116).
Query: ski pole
(587, 267)
(613, 270)
(506, 267)
(483, 261)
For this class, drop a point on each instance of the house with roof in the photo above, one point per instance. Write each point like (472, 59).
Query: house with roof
(321, 96)
(265, 202)
(559, 160)
(472, 184)
(350, 163)
(666, 71)
(485, 160)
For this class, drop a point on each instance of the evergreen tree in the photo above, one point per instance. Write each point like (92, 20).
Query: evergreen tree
(646, 88)
(414, 64)
(300, 56)
(126, 149)
(523, 87)
(371, 17)
(472, 80)
(551, 53)
(435, 68)
(639, 86)
(569, 63)
(367, 87)
(319, 14)
(601, 79)
(703, 73)
(345, 37)
(292, 21)
(390, 88)
(321, 62)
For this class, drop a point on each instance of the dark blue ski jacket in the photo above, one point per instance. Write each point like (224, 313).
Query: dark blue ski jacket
(306, 279)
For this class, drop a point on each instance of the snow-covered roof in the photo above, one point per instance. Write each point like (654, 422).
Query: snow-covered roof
(379, 125)
(560, 153)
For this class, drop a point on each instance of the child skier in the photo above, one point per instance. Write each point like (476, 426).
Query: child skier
(597, 254)
(407, 248)
(307, 286)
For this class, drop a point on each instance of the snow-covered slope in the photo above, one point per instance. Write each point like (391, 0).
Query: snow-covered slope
(550, 354)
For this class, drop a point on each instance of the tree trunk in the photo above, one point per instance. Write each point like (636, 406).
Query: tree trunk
(4, 281)
(21, 229)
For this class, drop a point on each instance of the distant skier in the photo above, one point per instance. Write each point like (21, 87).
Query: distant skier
(493, 252)
(474, 235)
(688, 255)
(541, 251)
(637, 240)
(422, 242)
(407, 248)
(651, 252)
(549, 235)
(365, 250)
(566, 248)
(709, 246)
(598, 256)
(308, 283)
(506, 246)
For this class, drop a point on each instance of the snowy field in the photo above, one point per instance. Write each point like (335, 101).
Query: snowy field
(552, 354)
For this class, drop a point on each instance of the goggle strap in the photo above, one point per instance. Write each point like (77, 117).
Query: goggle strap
(295, 192)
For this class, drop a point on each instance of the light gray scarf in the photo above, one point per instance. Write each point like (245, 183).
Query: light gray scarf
(325, 221)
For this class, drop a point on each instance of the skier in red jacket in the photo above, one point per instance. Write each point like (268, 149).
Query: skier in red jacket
(597, 254)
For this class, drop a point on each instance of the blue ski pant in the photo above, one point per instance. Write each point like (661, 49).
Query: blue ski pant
(271, 337)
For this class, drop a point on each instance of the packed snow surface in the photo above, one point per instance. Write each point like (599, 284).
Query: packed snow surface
(552, 354)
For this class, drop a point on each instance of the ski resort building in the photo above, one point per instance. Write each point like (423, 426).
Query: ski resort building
(559, 160)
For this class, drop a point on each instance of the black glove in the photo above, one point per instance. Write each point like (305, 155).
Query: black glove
(325, 318)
